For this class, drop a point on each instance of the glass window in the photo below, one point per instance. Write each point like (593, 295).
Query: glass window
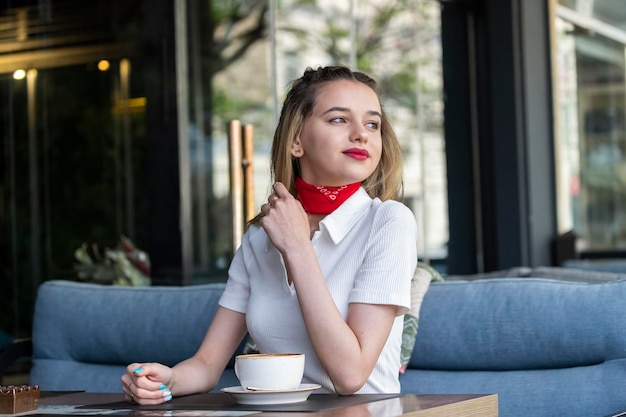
(398, 43)
(73, 143)
(114, 118)
(591, 108)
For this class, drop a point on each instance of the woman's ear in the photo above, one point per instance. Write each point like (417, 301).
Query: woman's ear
(296, 148)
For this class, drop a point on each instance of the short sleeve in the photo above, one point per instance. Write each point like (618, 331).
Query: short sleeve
(390, 259)
(237, 291)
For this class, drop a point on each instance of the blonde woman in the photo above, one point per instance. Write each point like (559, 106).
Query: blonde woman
(325, 268)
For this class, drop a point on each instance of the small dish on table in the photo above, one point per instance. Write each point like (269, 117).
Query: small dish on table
(263, 397)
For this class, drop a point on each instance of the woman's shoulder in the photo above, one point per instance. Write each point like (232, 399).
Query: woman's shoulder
(254, 235)
(391, 215)
(391, 209)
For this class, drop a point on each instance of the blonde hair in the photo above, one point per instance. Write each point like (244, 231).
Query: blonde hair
(386, 180)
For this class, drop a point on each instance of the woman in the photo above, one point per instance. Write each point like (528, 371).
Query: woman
(325, 268)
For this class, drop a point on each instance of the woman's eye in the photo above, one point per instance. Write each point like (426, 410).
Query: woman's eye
(372, 125)
(337, 120)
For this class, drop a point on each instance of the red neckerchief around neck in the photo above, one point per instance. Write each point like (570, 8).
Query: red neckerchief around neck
(317, 199)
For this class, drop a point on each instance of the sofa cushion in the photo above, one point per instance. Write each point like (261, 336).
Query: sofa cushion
(129, 321)
(578, 273)
(84, 335)
(585, 391)
(575, 274)
(546, 347)
(423, 276)
(512, 324)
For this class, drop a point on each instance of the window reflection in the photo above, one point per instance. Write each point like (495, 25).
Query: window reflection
(591, 87)
(73, 149)
(90, 130)
(399, 45)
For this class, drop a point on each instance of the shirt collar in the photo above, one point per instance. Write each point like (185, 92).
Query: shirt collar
(338, 223)
(342, 220)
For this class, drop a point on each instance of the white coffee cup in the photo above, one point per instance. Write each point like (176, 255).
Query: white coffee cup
(270, 371)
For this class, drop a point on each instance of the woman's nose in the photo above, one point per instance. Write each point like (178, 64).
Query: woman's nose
(359, 134)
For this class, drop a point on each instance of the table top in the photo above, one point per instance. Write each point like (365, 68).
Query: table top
(318, 405)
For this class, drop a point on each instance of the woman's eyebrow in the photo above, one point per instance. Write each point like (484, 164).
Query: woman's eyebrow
(336, 108)
(346, 109)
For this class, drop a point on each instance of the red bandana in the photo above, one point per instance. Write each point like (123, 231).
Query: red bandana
(317, 199)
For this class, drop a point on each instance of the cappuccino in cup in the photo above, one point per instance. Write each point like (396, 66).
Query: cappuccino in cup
(270, 371)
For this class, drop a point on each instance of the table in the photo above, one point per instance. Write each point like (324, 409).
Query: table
(319, 405)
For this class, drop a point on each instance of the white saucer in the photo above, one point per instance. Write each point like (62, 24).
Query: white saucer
(244, 396)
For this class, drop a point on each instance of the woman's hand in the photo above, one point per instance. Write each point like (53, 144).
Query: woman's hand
(147, 383)
(153, 383)
(284, 220)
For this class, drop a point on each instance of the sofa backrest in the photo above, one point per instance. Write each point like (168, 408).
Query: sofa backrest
(512, 324)
(546, 347)
(84, 335)
(75, 320)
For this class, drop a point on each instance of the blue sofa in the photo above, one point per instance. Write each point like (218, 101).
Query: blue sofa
(546, 347)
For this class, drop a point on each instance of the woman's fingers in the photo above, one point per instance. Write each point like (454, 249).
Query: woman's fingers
(143, 383)
(144, 396)
(280, 190)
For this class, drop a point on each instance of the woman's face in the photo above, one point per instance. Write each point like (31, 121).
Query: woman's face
(341, 141)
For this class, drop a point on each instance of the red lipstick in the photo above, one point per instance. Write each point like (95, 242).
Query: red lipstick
(357, 153)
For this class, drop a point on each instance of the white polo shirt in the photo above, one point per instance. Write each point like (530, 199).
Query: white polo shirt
(367, 252)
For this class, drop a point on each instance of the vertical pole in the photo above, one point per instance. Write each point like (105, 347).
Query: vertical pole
(33, 171)
(184, 170)
(248, 171)
(128, 149)
(236, 180)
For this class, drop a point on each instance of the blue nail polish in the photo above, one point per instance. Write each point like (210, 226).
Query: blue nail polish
(162, 386)
(167, 393)
(168, 398)
(136, 371)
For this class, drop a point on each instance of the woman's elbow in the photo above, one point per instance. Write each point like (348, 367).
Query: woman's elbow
(349, 385)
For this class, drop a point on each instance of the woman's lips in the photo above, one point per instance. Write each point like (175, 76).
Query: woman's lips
(357, 153)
